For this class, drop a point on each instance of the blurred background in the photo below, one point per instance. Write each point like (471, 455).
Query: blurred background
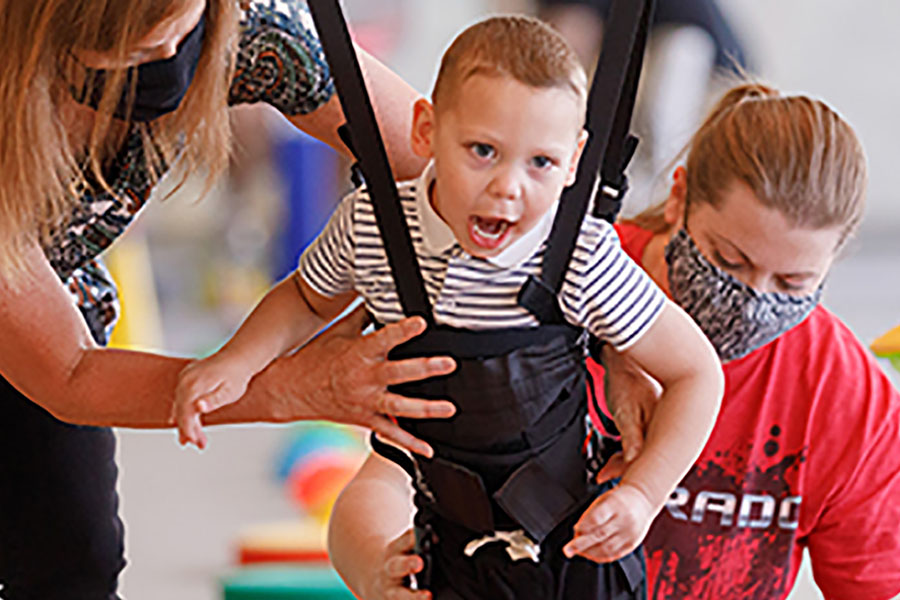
(191, 269)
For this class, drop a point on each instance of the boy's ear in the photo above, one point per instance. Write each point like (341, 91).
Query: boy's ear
(421, 139)
(576, 158)
(677, 200)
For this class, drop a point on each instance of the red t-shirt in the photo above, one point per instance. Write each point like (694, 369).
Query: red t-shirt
(805, 454)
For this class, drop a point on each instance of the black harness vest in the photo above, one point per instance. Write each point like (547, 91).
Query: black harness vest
(515, 455)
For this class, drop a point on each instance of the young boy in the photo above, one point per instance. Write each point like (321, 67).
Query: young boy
(509, 479)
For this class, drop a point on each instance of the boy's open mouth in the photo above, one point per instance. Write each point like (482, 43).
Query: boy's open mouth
(488, 233)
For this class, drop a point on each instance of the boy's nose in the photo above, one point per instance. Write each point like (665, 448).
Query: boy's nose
(505, 185)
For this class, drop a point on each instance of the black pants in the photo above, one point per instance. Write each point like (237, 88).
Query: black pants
(491, 575)
(60, 534)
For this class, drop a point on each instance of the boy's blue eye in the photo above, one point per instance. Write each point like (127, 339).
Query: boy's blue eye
(542, 162)
(482, 150)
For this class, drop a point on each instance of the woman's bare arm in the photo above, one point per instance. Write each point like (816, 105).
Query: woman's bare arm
(393, 100)
(47, 353)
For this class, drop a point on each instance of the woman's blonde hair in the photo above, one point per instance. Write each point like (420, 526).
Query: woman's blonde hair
(795, 153)
(43, 161)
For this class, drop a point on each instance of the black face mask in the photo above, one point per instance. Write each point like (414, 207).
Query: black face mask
(161, 85)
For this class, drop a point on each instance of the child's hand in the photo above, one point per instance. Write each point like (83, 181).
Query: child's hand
(398, 563)
(613, 525)
(203, 386)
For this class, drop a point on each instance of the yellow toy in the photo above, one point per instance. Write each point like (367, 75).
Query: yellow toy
(888, 346)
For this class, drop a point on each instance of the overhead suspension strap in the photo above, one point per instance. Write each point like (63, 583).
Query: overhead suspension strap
(368, 147)
(608, 150)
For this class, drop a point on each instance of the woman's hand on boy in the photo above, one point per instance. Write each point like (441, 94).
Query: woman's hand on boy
(614, 525)
(344, 377)
(631, 397)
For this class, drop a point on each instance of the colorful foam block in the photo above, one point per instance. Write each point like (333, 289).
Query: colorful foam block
(285, 583)
(300, 541)
(888, 346)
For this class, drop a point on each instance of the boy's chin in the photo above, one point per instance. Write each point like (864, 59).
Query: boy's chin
(485, 253)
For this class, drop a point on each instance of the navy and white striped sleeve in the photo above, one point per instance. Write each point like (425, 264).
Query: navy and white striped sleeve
(605, 291)
(327, 263)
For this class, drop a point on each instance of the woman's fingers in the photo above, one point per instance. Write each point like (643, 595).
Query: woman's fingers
(413, 369)
(392, 432)
(631, 427)
(416, 408)
(612, 468)
(343, 376)
(394, 334)
(631, 398)
(380, 343)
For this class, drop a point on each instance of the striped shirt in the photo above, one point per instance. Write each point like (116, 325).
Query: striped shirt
(603, 291)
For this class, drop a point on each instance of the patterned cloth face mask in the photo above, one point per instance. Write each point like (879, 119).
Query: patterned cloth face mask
(161, 85)
(736, 318)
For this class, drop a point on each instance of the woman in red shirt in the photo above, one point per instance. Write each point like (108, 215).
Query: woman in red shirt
(804, 451)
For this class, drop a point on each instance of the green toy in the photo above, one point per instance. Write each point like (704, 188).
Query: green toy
(284, 582)
(888, 346)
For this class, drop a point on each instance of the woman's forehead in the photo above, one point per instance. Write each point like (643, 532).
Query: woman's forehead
(741, 223)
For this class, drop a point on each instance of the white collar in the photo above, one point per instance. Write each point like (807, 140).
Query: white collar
(438, 237)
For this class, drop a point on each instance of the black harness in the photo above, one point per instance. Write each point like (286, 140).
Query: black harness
(514, 456)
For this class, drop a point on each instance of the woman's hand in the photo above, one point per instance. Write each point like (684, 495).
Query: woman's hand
(631, 397)
(398, 563)
(343, 376)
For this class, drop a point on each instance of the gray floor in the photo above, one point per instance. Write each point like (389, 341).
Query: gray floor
(183, 509)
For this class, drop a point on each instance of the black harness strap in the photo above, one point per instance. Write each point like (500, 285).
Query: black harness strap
(369, 149)
(393, 454)
(608, 151)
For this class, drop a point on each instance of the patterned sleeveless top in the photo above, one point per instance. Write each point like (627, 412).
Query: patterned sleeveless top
(280, 61)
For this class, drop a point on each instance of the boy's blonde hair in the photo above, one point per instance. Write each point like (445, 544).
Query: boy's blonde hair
(795, 153)
(44, 165)
(524, 48)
